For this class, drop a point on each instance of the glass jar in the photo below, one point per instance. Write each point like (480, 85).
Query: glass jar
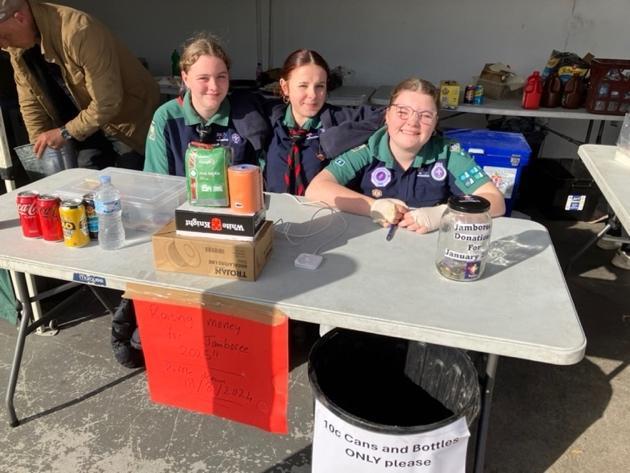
(464, 238)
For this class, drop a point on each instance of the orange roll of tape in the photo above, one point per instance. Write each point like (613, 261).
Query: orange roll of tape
(245, 184)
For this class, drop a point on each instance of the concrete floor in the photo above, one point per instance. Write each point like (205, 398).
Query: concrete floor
(81, 412)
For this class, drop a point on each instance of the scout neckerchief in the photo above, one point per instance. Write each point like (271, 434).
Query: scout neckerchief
(294, 179)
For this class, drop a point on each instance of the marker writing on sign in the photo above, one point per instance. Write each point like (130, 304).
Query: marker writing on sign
(390, 232)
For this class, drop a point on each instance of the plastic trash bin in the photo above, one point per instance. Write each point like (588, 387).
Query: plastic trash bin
(382, 404)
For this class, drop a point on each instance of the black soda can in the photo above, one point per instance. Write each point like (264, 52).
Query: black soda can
(92, 218)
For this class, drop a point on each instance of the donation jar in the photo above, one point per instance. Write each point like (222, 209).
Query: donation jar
(464, 238)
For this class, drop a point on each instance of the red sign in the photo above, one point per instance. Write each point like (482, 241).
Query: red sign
(231, 366)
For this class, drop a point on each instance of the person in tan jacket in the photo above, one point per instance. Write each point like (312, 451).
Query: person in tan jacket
(77, 82)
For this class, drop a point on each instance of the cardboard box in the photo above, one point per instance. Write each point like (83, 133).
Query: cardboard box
(218, 222)
(449, 94)
(212, 257)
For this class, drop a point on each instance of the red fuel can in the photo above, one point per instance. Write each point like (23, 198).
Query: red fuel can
(49, 220)
(27, 210)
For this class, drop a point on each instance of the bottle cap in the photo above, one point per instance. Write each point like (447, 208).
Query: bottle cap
(472, 204)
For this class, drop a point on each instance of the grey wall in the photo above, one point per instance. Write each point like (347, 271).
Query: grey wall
(382, 42)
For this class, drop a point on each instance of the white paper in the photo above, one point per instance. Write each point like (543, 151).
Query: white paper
(339, 446)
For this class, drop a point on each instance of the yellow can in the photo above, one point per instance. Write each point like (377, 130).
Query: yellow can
(74, 223)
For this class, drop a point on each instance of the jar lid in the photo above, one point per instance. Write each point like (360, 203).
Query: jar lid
(472, 204)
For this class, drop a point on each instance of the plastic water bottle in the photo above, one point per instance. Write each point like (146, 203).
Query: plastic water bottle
(111, 233)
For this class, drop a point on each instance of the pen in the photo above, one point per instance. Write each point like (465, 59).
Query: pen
(390, 232)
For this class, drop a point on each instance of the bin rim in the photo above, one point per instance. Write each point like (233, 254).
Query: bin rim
(358, 421)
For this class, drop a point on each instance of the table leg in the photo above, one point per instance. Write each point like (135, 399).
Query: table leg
(588, 132)
(600, 132)
(22, 295)
(484, 415)
(588, 244)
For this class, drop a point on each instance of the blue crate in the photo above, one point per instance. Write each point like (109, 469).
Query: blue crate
(503, 155)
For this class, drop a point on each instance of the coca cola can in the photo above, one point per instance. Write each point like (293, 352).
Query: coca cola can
(49, 220)
(27, 210)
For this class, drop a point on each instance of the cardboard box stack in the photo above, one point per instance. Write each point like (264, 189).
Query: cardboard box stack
(232, 241)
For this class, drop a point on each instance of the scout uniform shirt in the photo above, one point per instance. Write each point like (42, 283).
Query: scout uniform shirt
(312, 157)
(440, 170)
(176, 123)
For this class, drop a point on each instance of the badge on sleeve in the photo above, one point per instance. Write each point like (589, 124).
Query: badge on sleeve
(236, 138)
(438, 173)
(381, 176)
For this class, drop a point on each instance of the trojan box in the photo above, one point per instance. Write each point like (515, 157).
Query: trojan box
(230, 259)
(219, 222)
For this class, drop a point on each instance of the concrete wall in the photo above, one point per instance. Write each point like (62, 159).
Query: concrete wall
(382, 42)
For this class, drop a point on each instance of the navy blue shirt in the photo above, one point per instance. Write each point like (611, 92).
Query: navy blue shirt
(176, 123)
(311, 154)
(440, 169)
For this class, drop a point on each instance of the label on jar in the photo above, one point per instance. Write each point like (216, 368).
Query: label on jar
(463, 254)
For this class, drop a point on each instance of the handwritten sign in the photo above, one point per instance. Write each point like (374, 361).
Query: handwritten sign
(216, 362)
(341, 446)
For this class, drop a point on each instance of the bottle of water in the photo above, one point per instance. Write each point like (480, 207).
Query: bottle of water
(111, 233)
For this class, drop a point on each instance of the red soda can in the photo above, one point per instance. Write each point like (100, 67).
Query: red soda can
(27, 210)
(49, 220)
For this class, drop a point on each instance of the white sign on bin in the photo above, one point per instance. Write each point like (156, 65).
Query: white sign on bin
(340, 446)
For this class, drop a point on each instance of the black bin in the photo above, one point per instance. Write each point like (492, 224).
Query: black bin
(563, 189)
(390, 385)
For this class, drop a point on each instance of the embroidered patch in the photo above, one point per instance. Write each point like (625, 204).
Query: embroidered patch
(423, 172)
(377, 193)
(236, 138)
(339, 162)
(438, 173)
(381, 176)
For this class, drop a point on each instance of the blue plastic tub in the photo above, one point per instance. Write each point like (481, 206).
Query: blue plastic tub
(503, 155)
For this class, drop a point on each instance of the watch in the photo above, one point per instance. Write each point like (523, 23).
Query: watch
(65, 134)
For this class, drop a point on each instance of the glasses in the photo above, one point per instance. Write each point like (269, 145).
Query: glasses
(405, 112)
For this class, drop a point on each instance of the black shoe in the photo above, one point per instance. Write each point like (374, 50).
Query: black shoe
(126, 355)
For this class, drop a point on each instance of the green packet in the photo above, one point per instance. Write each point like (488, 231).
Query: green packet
(206, 174)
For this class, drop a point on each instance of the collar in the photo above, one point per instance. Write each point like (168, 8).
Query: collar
(379, 145)
(221, 117)
(310, 124)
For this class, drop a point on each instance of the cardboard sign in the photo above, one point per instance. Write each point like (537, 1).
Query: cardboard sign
(341, 446)
(215, 355)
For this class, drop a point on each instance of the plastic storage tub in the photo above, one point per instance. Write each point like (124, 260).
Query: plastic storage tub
(149, 200)
(563, 189)
(503, 155)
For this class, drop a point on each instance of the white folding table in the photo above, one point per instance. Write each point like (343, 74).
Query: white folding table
(521, 307)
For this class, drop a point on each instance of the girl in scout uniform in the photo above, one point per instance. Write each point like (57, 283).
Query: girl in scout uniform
(405, 173)
(205, 113)
(305, 130)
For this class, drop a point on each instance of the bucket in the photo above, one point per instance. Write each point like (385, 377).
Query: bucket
(384, 403)
(51, 162)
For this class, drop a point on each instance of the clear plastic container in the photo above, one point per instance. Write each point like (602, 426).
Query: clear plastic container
(464, 238)
(148, 199)
(111, 233)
